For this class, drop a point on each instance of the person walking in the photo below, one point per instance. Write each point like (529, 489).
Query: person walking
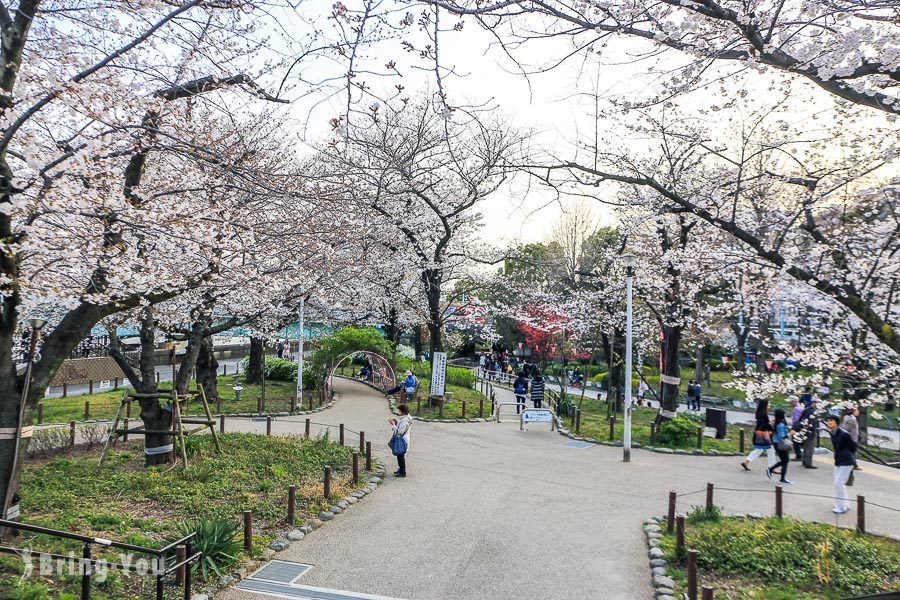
(279, 349)
(762, 437)
(850, 424)
(520, 389)
(796, 413)
(781, 440)
(537, 388)
(844, 459)
(808, 426)
(401, 429)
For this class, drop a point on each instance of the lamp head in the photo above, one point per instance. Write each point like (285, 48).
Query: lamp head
(37, 324)
(629, 260)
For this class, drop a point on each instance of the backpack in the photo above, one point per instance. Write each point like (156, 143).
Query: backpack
(520, 387)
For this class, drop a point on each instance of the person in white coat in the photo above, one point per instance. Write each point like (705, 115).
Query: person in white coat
(401, 428)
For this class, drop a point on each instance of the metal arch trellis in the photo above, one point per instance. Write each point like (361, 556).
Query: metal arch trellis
(383, 374)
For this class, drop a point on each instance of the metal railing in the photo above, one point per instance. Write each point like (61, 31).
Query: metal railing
(87, 565)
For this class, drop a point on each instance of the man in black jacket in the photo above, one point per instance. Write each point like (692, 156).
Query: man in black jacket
(844, 459)
(808, 423)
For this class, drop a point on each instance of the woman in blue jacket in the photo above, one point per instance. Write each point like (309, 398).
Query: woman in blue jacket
(782, 432)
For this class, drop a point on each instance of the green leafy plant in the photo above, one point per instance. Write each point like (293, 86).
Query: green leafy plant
(461, 377)
(217, 539)
(677, 431)
(702, 514)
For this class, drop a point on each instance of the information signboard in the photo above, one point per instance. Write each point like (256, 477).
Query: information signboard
(438, 373)
(537, 415)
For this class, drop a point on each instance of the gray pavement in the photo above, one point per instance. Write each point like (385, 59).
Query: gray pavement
(489, 511)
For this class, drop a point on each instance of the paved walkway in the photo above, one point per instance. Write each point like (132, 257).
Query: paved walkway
(489, 511)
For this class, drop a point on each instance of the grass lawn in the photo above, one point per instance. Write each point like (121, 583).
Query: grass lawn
(594, 424)
(783, 559)
(128, 503)
(103, 405)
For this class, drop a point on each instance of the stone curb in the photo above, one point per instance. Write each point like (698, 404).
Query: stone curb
(284, 539)
(663, 585)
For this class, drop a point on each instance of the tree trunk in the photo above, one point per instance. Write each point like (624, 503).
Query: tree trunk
(391, 331)
(208, 368)
(417, 341)
(255, 361)
(670, 344)
(156, 414)
(189, 360)
(699, 366)
(432, 281)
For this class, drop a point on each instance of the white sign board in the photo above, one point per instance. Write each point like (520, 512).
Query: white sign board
(438, 373)
(537, 415)
(105, 384)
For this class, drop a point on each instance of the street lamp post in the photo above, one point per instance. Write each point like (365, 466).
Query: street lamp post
(629, 260)
(300, 357)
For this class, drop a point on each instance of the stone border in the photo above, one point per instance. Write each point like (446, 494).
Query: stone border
(284, 539)
(663, 585)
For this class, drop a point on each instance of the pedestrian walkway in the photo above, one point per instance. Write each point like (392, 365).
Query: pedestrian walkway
(489, 511)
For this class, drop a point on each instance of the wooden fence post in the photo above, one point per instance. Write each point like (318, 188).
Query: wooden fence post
(481, 408)
(306, 428)
(221, 423)
(699, 438)
(326, 483)
(180, 556)
(368, 456)
(248, 531)
(612, 428)
(71, 434)
(670, 522)
(87, 410)
(292, 503)
(40, 415)
(341, 434)
(65, 389)
(355, 467)
(709, 497)
(861, 513)
(778, 502)
(362, 441)
(269, 425)
(741, 444)
(463, 408)
(679, 537)
(692, 575)
(90, 386)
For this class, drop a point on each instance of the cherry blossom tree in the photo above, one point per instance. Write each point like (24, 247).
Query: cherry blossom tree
(416, 172)
(846, 47)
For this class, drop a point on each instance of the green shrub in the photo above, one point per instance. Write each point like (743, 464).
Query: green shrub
(280, 369)
(677, 431)
(461, 377)
(600, 377)
(217, 539)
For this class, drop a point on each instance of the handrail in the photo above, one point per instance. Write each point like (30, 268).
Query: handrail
(88, 563)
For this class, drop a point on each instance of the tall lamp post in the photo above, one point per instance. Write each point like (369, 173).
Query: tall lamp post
(300, 357)
(629, 260)
(36, 326)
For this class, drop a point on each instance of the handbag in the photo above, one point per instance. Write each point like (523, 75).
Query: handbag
(762, 438)
(397, 445)
(785, 445)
